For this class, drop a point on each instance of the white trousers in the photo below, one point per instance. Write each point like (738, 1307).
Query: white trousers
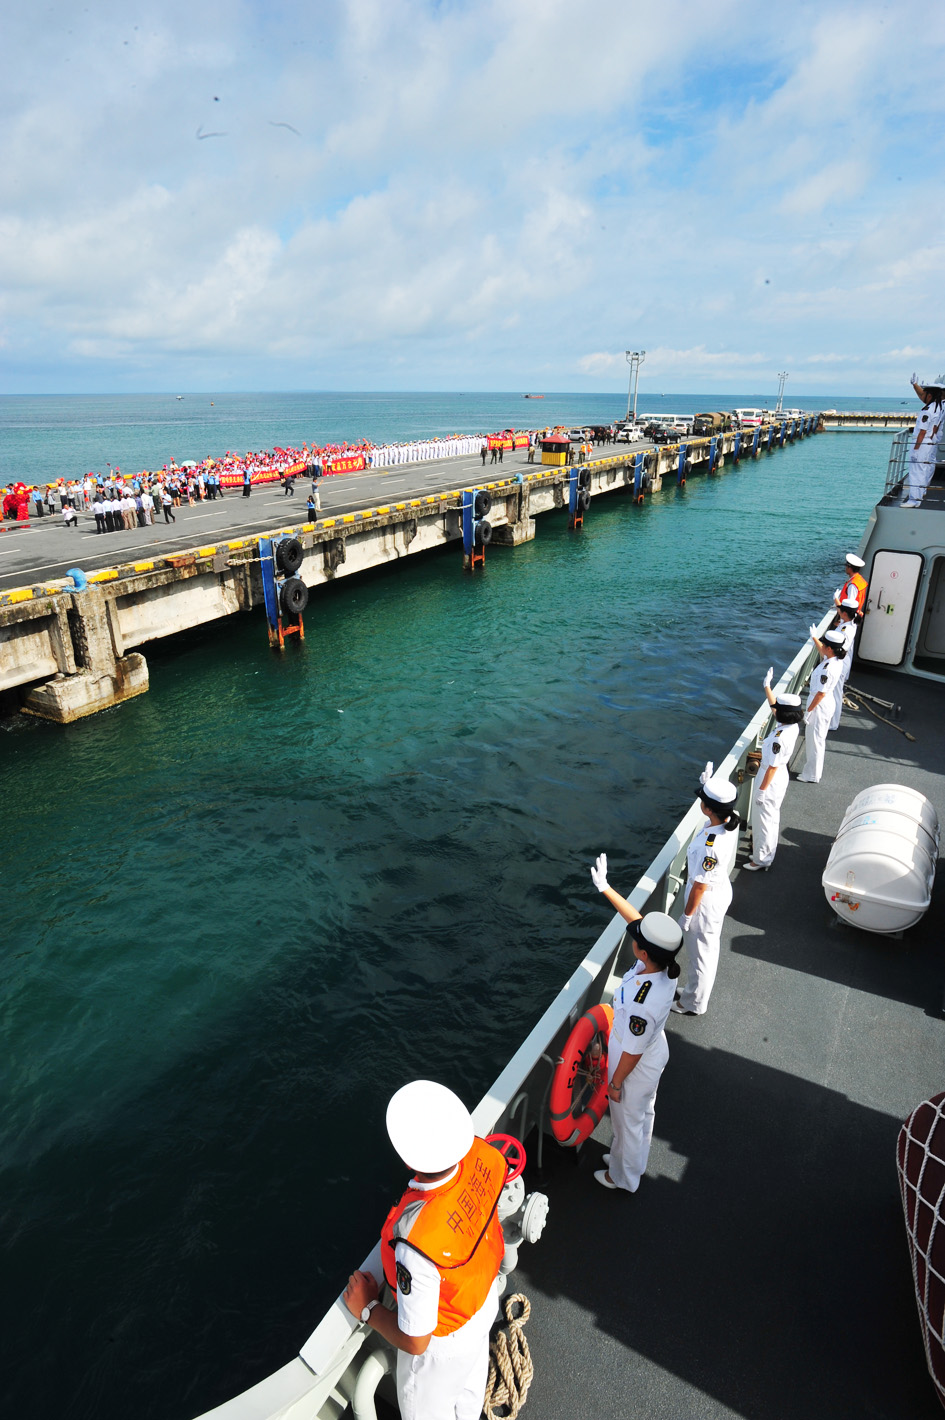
(448, 1382)
(919, 478)
(815, 739)
(632, 1117)
(766, 817)
(841, 687)
(703, 944)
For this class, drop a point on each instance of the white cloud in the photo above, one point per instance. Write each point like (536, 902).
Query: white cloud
(475, 195)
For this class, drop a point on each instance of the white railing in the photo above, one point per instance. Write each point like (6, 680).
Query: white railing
(320, 1382)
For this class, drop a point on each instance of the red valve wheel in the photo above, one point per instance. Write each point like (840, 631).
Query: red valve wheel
(512, 1150)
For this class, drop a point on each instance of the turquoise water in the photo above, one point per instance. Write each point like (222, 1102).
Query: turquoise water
(44, 437)
(242, 909)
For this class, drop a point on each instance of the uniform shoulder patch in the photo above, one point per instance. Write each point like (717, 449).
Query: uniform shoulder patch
(637, 1025)
(404, 1279)
(776, 747)
(642, 994)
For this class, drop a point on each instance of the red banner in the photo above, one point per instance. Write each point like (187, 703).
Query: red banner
(235, 479)
(348, 463)
(507, 441)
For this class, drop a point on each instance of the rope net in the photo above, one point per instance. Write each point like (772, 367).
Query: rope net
(921, 1165)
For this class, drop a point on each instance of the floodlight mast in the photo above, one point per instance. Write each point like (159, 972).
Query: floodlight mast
(635, 359)
(781, 378)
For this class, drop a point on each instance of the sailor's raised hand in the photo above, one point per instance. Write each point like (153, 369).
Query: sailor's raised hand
(813, 632)
(599, 873)
(707, 772)
(769, 676)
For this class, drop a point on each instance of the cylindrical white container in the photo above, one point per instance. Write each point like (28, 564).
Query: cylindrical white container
(896, 798)
(881, 866)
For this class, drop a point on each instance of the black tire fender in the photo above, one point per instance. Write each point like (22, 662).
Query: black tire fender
(483, 503)
(584, 478)
(583, 500)
(289, 555)
(293, 596)
(482, 532)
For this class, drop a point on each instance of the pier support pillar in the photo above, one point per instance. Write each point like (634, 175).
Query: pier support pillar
(97, 673)
(519, 527)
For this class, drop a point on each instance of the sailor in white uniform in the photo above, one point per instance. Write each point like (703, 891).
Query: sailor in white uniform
(821, 702)
(708, 893)
(848, 625)
(637, 1050)
(928, 431)
(773, 776)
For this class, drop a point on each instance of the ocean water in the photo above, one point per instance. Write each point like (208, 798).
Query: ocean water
(242, 909)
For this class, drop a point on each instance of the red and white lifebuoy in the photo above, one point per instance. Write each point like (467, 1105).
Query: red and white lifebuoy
(579, 1084)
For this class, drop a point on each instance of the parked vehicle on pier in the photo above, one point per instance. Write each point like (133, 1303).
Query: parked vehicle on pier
(715, 423)
(748, 418)
(630, 433)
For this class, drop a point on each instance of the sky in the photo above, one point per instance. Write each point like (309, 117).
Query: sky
(472, 195)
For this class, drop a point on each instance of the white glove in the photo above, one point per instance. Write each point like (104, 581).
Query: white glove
(768, 677)
(599, 873)
(685, 921)
(813, 632)
(707, 772)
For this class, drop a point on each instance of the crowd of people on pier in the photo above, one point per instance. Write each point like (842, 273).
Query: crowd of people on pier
(119, 501)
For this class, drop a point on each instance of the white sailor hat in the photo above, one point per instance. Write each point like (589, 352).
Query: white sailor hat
(834, 637)
(430, 1127)
(658, 929)
(787, 700)
(718, 791)
(853, 561)
(851, 603)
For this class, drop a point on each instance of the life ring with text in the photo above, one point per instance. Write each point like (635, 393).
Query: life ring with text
(579, 1085)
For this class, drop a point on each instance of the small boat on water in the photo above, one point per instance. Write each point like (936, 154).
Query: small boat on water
(533, 396)
(768, 1226)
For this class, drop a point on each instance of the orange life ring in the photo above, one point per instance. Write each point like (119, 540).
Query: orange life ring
(579, 1084)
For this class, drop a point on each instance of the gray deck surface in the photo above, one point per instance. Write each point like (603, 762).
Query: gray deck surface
(762, 1270)
(44, 548)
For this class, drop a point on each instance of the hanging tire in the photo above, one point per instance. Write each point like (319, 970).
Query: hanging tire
(482, 533)
(583, 500)
(584, 478)
(483, 503)
(579, 1085)
(289, 555)
(293, 596)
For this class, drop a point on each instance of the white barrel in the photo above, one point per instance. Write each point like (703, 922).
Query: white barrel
(881, 866)
(895, 798)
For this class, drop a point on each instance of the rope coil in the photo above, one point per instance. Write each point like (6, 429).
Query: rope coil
(510, 1365)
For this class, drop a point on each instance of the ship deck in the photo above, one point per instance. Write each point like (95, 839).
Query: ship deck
(761, 1270)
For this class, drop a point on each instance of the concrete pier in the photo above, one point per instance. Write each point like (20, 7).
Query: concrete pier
(65, 653)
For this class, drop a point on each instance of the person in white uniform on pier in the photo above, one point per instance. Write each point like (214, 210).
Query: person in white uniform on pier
(773, 776)
(848, 625)
(637, 1050)
(928, 431)
(821, 702)
(708, 893)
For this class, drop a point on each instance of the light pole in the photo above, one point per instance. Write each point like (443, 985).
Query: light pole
(781, 378)
(635, 359)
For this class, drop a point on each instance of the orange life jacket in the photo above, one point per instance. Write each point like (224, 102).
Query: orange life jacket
(455, 1227)
(856, 586)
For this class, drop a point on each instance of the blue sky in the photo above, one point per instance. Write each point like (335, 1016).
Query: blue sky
(385, 194)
